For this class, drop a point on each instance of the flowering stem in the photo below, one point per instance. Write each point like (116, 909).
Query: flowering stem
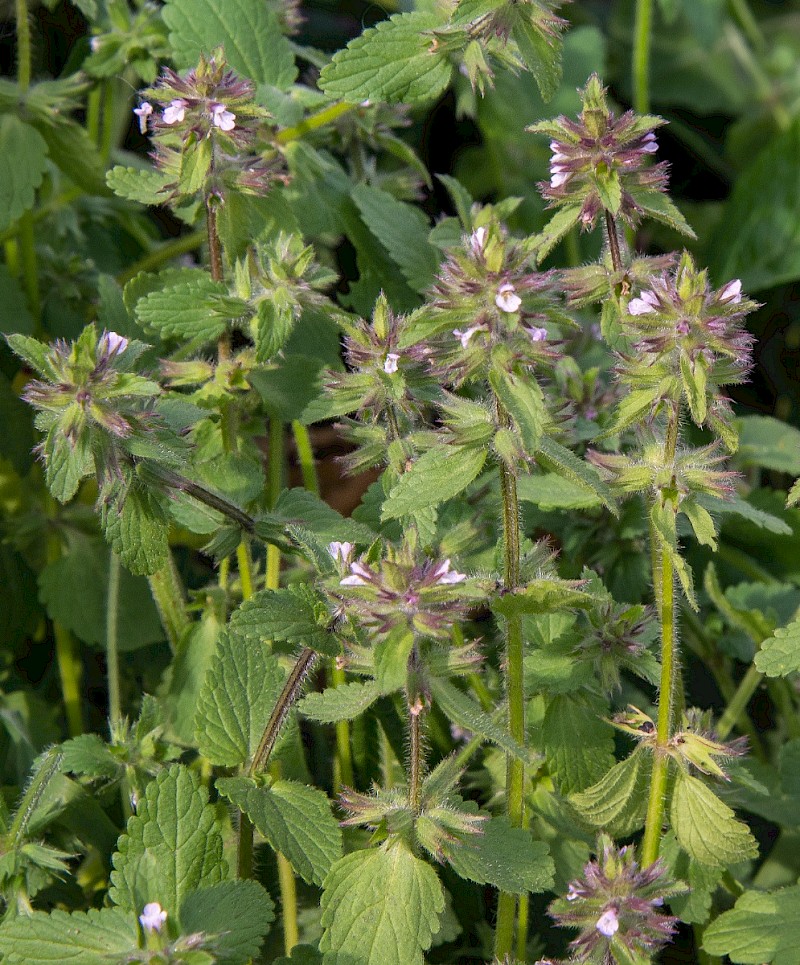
(326, 116)
(163, 253)
(112, 640)
(641, 55)
(215, 263)
(415, 753)
(613, 241)
(664, 578)
(515, 770)
(167, 592)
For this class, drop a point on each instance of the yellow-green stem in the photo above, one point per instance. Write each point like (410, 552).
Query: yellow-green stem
(167, 591)
(245, 569)
(326, 116)
(164, 253)
(109, 109)
(70, 669)
(30, 269)
(305, 456)
(23, 45)
(288, 890)
(641, 55)
(515, 771)
(112, 640)
(93, 104)
(738, 702)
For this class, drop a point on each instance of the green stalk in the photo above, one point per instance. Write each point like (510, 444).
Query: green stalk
(664, 580)
(23, 45)
(167, 592)
(164, 253)
(515, 770)
(738, 703)
(641, 55)
(70, 669)
(93, 105)
(33, 795)
(112, 640)
(245, 562)
(305, 456)
(109, 111)
(326, 116)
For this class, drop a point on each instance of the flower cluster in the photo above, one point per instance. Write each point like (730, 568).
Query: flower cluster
(616, 636)
(427, 597)
(488, 290)
(602, 162)
(616, 905)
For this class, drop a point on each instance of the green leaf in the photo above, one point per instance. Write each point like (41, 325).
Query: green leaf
(275, 320)
(706, 828)
(560, 460)
(780, 654)
(301, 955)
(542, 596)
(173, 844)
(340, 703)
(524, 401)
(294, 818)
(74, 589)
(247, 29)
(609, 190)
(793, 498)
(391, 659)
(550, 491)
(74, 153)
(741, 507)
(14, 313)
(760, 928)
(303, 508)
(139, 184)
(241, 688)
(695, 387)
(617, 803)
(395, 61)
(769, 443)
(694, 905)
(702, 523)
(505, 857)
(67, 462)
(555, 229)
(237, 913)
(764, 251)
(632, 408)
(197, 310)
(136, 526)
(402, 230)
(541, 53)
(95, 937)
(436, 476)
(660, 207)
(380, 907)
(23, 162)
(578, 744)
(89, 755)
(288, 615)
(466, 713)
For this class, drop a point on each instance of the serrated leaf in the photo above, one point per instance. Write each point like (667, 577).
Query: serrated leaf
(139, 184)
(23, 161)
(395, 61)
(241, 688)
(275, 320)
(340, 703)
(89, 755)
(660, 207)
(294, 818)
(137, 527)
(188, 312)
(550, 491)
(380, 907)
(702, 523)
(67, 462)
(609, 190)
(172, 845)
(780, 654)
(562, 222)
(288, 615)
(769, 443)
(508, 858)
(304, 508)
(247, 29)
(695, 904)
(391, 659)
(760, 928)
(238, 913)
(32, 351)
(540, 52)
(524, 402)
(741, 507)
(562, 461)
(706, 827)
(694, 379)
(578, 744)
(81, 938)
(466, 713)
(632, 408)
(402, 230)
(436, 476)
(542, 596)
(617, 803)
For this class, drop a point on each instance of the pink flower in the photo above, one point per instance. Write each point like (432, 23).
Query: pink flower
(153, 917)
(143, 111)
(507, 299)
(175, 113)
(537, 334)
(222, 118)
(732, 292)
(649, 145)
(467, 334)
(477, 240)
(443, 574)
(608, 922)
(112, 344)
(390, 365)
(643, 305)
(341, 552)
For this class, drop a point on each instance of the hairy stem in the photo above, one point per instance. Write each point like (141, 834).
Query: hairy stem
(112, 640)
(33, 795)
(415, 756)
(515, 770)
(167, 592)
(181, 484)
(23, 45)
(641, 55)
(613, 241)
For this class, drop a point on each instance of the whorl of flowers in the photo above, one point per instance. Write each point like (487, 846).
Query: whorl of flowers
(616, 905)
(488, 289)
(602, 161)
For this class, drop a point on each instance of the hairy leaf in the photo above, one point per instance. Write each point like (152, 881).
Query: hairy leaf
(340, 703)
(192, 311)
(761, 927)
(617, 803)
(137, 184)
(81, 938)
(294, 818)
(23, 161)
(562, 461)
(136, 526)
(172, 845)
(436, 476)
(579, 745)
(380, 907)
(780, 654)
(706, 827)
(289, 615)
(239, 913)
(505, 857)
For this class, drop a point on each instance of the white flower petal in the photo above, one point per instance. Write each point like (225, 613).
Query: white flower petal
(556, 180)
(638, 306)
(390, 365)
(608, 923)
(143, 111)
(507, 299)
(153, 916)
(732, 292)
(175, 113)
(222, 118)
(537, 334)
